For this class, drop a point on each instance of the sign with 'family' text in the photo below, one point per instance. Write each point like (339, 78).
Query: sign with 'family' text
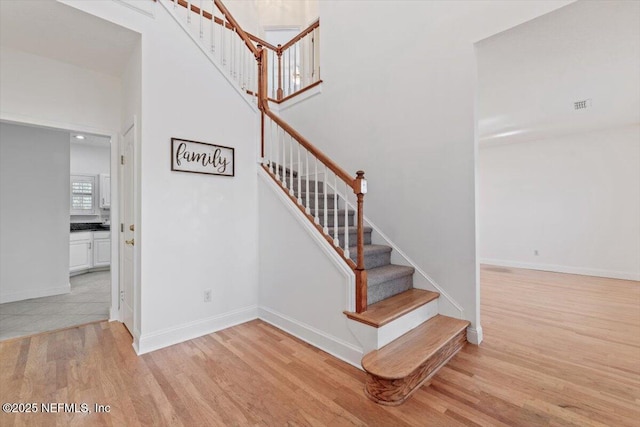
(199, 157)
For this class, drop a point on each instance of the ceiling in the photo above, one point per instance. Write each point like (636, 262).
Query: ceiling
(54, 30)
(94, 140)
(530, 76)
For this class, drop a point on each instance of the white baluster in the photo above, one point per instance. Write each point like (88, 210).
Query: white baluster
(346, 220)
(201, 23)
(296, 84)
(306, 158)
(299, 177)
(325, 180)
(346, 215)
(223, 45)
(317, 220)
(336, 241)
(284, 160)
(232, 54)
(289, 70)
(213, 28)
(291, 165)
(271, 163)
(277, 158)
(188, 12)
(273, 73)
(175, 4)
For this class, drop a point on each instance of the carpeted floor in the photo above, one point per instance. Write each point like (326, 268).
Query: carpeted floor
(88, 301)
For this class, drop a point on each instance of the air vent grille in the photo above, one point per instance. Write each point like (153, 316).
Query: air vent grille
(582, 105)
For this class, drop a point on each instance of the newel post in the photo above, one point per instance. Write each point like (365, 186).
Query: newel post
(279, 91)
(361, 274)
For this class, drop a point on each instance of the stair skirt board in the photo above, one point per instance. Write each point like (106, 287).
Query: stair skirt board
(393, 392)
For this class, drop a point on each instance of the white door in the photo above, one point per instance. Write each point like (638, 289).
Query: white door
(127, 234)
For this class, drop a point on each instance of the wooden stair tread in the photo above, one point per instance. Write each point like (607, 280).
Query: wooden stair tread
(387, 310)
(401, 357)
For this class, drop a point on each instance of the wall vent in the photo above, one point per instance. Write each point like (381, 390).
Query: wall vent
(582, 105)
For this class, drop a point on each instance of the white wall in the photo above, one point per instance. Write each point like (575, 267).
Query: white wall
(398, 103)
(575, 199)
(280, 13)
(90, 159)
(197, 232)
(40, 90)
(303, 290)
(34, 212)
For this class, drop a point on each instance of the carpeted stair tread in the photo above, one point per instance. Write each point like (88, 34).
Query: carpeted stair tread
(376, 276)
(401, 357)
(388, 310)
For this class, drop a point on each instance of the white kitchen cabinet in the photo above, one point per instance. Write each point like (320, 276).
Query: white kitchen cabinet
(80, 251)
(105, 191)
(101, 248)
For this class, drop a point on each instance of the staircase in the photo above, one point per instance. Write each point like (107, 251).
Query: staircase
(412, 352)
(405, 340)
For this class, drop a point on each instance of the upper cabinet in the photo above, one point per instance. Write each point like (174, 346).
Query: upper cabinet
(83, 195)
(105, 191)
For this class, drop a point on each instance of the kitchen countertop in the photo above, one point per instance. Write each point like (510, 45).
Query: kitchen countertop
(88, 226)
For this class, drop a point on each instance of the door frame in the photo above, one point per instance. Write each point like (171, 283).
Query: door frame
(25, 120)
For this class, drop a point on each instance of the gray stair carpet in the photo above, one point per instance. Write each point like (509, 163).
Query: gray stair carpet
(384, 279)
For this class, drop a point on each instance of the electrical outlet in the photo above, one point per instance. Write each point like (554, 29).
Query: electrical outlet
(535, 252)
(207, 295)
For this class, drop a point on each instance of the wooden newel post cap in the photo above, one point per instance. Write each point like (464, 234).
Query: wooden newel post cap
(360, 174)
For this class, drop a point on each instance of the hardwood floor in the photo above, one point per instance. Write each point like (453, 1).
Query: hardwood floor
(559, 350)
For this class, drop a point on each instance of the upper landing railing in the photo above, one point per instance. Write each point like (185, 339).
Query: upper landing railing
(305, 173)
(295, 66)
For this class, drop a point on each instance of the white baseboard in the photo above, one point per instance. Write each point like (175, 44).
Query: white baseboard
(624, 275)
(34, 293)
(334, 346)
(474, 335)
(170, 336)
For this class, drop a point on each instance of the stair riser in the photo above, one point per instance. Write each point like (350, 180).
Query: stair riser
(373, 260)
(303, 186)
(353, 237)
(312, 202)
(330, 220)
(395, 392)
(387, 289)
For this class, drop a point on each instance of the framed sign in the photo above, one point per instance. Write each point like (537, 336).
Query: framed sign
(199, 157)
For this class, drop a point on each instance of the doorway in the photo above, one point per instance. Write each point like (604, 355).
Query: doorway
(55, 227)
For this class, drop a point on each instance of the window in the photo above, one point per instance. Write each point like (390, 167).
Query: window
(83, 192)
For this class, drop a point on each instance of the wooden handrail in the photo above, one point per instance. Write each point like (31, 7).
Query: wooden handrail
(262, 42)
(263, 104)
(231, 24)
(341, 173)
(237, 27)
(357, 184)
(304, 32)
